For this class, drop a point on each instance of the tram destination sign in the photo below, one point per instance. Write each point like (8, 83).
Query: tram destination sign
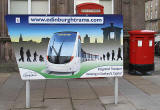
(67, 46)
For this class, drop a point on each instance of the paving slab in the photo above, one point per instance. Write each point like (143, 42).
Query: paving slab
(80, 89)
(37, 95)
(36, 108)
(99, 82)
(154, 79)
(124, 84)
(157, 63)
(34, 104)
(156, 98)
(124, 106)
(102, 87)
(110, 100)
(57, 88)
(88, 105)
(38, 89)
(127, 88)
(57, 104)
(145, 85)
(10, 90)
(138, 97)
(2, 81)
(6, 74)
(6, 105)
(21, 102)
(3, 78)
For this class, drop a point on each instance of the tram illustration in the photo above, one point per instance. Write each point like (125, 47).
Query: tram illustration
(64, 53)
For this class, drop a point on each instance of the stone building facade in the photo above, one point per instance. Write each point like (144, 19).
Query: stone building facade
(7, 58)
(152, 15)
(133, 12)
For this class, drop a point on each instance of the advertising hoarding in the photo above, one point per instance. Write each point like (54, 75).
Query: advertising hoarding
(67, 46)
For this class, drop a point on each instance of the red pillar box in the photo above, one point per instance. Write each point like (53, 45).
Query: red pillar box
(89, 8)
(141, 52)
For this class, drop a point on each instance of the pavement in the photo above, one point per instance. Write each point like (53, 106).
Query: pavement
(135, 93)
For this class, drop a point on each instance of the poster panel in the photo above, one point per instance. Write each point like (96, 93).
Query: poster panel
(67, 46)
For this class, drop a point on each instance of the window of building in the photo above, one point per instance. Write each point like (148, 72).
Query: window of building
(151, 26)
(39, 6)
(151, 14)
(156, 3)
(29, 6)
(107, 6)
(147, 15)
(18, 7)
(151, 4)
(157, 26)
(156, 13)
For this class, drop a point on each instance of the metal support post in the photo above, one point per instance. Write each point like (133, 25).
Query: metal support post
(112, 6)
(116, 90)
(27, 94)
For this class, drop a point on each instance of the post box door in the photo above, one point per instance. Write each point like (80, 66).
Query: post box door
(132, 53)
(145, 51)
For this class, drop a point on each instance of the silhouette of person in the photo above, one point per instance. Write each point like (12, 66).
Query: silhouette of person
(104, 56)
(35, 56)
(21, 54)
(108, 55)
(100, 58)
(113, 55)
(119, 54)
(41, 59)
(28, 55)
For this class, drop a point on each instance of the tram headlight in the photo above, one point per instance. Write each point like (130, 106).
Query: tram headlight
(71, 58)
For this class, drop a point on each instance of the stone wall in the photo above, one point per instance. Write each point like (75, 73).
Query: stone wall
(7, 58)
(132, 11)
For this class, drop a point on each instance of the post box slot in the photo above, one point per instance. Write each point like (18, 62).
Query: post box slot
(139, 37)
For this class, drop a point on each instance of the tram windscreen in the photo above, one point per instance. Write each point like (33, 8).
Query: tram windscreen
(61, 47)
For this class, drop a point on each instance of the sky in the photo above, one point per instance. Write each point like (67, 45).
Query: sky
(36, 32)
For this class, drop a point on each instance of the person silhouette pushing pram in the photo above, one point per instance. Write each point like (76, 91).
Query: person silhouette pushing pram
(41, 59)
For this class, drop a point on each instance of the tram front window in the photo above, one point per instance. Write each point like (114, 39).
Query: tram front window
(61, 47)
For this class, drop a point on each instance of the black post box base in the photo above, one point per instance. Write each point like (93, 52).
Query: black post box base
(140, 69)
